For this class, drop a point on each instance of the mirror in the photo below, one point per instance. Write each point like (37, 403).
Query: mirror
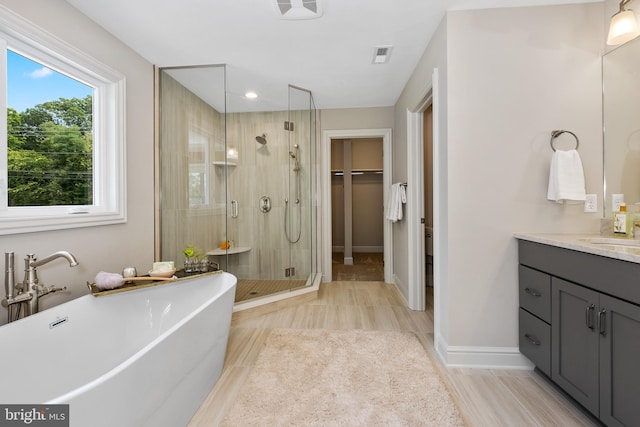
(621, 121)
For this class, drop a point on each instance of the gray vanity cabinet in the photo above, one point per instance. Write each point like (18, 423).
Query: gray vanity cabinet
(535, 317)
(575, 342)
(594, 327)
(619, 362)
(596, 346)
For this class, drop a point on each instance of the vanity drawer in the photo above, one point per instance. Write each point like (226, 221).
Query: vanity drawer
(535, 292)
(535, 341)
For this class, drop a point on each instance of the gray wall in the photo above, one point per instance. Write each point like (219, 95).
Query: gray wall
(508, 77)
(112, 247)
(434, 57)
(356, 118)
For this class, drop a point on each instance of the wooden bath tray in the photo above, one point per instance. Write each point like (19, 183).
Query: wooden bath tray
(181, 276)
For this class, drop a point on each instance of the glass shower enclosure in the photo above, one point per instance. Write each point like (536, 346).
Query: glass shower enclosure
(235, 177)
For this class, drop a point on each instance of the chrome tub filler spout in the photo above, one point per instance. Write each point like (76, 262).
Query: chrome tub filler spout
(22, 299)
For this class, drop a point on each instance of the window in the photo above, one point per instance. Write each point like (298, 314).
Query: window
(198, 169)
(62, 162)
(49, 136)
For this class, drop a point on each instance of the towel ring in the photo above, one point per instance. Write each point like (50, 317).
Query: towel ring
(557, 133)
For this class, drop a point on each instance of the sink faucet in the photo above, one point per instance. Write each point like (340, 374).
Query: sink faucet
(30, 290)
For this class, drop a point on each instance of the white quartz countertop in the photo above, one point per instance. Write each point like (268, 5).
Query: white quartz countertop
(621, 248)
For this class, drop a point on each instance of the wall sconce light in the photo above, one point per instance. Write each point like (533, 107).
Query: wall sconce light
(624, 26)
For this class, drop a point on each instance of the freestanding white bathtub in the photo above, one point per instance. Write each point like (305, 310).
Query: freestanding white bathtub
(145, 357)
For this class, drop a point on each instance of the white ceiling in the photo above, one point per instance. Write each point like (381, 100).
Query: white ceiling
(330, 56)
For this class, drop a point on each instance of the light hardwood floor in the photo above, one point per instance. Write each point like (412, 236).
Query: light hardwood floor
(485, 397)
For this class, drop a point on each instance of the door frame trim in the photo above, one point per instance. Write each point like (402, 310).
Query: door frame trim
(415, 211)
(325, 176)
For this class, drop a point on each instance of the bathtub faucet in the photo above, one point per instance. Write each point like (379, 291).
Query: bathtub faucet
(30, 290)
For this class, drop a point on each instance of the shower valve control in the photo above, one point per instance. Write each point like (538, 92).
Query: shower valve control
(265, 204)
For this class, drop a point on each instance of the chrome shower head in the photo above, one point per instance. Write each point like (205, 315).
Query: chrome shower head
(262, 139)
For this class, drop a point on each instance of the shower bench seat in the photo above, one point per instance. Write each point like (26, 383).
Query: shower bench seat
(234, 250)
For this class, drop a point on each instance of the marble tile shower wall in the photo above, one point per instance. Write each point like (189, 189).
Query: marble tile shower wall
(265, 170)
(260, 170)
(181, 113)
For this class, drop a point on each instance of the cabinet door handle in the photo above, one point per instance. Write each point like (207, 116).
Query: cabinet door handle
(532, 292)
(602, 322)
(533, 340)
(589, 317)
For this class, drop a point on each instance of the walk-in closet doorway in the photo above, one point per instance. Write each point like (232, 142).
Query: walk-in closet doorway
(383, 134)
(357, 201)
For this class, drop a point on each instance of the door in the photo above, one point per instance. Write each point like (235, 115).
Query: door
(619, 369)
(299, 233)
(427, 136)
(575, 341)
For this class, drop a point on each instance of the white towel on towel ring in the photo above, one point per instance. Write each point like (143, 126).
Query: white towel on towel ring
(566, 177)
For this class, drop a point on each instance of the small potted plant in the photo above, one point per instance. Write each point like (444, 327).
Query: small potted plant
(191, 253)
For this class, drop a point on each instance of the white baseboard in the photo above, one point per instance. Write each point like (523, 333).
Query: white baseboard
(360, 249)
(368, 249)
(399, 287)
(402, 296)
(481, 357)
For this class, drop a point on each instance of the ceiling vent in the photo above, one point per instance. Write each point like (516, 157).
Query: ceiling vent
(381, 54)
(298, 9)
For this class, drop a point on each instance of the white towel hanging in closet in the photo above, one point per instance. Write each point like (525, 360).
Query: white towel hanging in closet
(397, 198)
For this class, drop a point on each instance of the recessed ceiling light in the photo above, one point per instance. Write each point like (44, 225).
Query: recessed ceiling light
(381, 54)
(251, 95)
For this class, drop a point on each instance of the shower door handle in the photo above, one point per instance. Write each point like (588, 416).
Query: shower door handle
(234, 209)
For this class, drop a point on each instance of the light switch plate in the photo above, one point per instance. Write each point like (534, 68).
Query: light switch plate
(591, 203)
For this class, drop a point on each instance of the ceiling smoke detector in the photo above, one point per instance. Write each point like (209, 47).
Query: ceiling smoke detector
(298, 9)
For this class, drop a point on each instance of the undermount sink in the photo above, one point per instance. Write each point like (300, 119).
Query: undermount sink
(613, 241)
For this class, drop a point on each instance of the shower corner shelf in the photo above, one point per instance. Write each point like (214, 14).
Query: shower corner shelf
(223, 163)
(233, 250)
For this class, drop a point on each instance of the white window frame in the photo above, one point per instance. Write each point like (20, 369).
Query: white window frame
(109, 144)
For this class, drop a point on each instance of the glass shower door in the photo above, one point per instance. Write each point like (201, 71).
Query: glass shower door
(299, 210)
(192, 167)
(236, 178)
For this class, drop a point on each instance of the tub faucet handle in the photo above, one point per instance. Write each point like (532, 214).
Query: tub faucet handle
(45, 290)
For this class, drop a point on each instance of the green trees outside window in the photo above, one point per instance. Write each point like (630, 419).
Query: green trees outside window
(50, 154)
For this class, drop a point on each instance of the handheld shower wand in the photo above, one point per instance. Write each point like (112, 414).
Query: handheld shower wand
(296, 170)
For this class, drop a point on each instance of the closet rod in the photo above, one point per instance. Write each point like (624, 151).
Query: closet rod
(357, 172)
